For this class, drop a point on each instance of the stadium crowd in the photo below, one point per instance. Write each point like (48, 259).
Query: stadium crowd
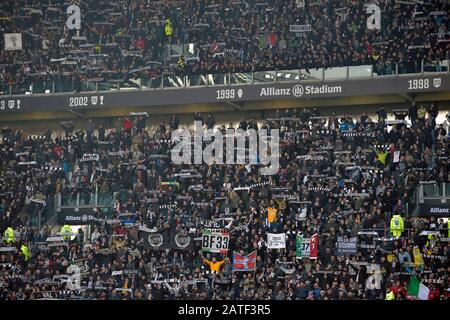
(121, 40)
(340, 176)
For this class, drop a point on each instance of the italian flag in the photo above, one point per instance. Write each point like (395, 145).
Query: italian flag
(418, 289)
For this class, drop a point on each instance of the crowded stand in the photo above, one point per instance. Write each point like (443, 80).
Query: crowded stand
(338, 220)
(116, 41)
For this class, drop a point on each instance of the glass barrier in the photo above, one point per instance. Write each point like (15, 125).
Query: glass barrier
(288, 75)
(385, 69)
(104, 86)
(64, 84)
(69, 199)
(196, 80)
(87, 86)
(67, 84)
(174, 82)
(130, 84)
(336, 73)
(410, 67)
(175, 49)
(241, 78)
(23, 88)
(217, 79)
(360, 71)
(151, 83)
(432, 67)
(4, 88)
(431, 190)
(87, 199)
(105, 199)
(264, 76)
(42, 86)
(38, 215)
(311, 74)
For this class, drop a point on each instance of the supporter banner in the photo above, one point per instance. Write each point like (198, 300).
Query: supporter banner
(299, 247)
(347, 245)
(13, 41)
(276, 240)
(90, 157)
(182, 242)
(158, 240)
(221, 223)
(367, 246)
(57, 294)
(244, 263)
(256, 92)
(80, 264)
(307, 248)
(438, 210)
(71, 217)
(299, 27)
(215, 241)
(186, 174)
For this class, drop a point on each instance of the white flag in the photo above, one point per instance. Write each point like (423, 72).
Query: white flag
(396, 156)
(13, 41)
(276, 240)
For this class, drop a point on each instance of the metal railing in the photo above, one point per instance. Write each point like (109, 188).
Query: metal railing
(61, 84)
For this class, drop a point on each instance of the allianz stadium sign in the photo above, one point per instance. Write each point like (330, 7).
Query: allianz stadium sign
(438, 210)
(225, 93)
(70, 216)
(300, 90)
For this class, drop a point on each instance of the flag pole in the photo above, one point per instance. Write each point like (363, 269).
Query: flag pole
(254, 270)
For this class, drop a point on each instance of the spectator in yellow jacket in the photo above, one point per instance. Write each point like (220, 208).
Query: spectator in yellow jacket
(214, 265)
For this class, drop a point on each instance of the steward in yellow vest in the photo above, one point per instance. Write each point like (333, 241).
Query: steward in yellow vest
(25, 251)
(8, 236)
(397, 225)
(66, 232)
(168, 28)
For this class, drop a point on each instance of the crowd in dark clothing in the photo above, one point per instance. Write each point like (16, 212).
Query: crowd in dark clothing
(314, 191)
(123, 40)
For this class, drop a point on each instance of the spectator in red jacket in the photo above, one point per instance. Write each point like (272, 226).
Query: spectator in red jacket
(399, 290)
(139, 44)
(127, 124)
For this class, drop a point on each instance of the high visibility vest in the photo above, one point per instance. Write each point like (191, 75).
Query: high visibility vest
(168, 28)
(66, 232)
(390, 296)
(381, 156)
(397, 223)
(25, 252)
(9, 235)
